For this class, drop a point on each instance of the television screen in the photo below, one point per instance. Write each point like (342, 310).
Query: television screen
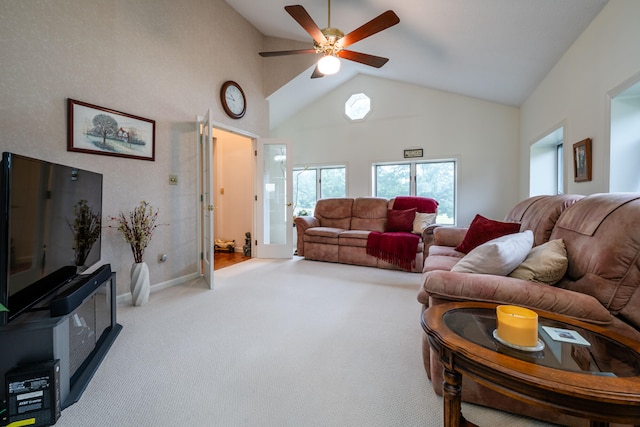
(50, 228)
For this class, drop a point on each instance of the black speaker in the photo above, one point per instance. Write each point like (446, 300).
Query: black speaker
(33, 394)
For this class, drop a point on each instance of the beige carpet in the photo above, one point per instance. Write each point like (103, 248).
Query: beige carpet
(277, 343)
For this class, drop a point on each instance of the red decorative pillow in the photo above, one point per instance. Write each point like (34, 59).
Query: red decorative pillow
(400, 220)
(483, 229)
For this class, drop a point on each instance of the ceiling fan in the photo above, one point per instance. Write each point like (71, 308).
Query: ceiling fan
(331, 42)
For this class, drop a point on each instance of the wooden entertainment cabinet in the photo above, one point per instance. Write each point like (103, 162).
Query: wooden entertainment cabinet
(79, 339)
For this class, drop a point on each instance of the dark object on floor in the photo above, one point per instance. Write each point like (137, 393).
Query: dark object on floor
(246, 249)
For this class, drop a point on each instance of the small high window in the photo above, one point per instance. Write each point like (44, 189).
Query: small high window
(357, 106)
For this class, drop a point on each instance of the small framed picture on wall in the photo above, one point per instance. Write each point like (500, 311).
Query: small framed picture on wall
(582, 160)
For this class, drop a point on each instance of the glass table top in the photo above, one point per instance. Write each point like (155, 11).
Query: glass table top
(603, 356)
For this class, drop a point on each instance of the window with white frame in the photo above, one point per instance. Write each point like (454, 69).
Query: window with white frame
(311, 183)
(357, 106)
(434, 178)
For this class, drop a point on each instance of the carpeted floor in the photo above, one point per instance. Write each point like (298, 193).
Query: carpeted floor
(277, 343)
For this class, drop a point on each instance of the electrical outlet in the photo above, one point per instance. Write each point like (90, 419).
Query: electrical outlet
(173, 179)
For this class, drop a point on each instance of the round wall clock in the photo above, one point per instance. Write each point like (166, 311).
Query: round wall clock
(233, 100)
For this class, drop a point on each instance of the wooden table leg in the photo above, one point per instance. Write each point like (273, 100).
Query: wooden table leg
(451, 391)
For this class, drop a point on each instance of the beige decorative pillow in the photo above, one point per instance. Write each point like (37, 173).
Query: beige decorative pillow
(546, 263)
(499, 256)
(422, 221)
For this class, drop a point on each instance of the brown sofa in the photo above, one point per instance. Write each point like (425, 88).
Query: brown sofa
(339, 228)
(601, 233)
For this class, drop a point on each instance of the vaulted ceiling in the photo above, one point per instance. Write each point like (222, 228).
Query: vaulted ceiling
(497, 50)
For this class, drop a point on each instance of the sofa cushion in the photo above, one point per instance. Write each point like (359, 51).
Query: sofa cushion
(326, 235)
(334, 212)
(357, 238)
(369, 213)
(439, 262)
(400, 220)
(499, 256)
(482, 230)
(546, 263)
(422, 221)
(540, 213)
(604, 261)
(454, 286)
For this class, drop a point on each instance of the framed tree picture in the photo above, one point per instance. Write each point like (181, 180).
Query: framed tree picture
(98, 130)
(582, 160)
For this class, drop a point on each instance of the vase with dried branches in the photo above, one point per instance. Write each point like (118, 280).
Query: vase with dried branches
(138, 228)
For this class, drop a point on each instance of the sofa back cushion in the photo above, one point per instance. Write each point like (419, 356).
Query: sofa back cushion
(369, 213)
(334, 212)
(602, 236)
(540, 213)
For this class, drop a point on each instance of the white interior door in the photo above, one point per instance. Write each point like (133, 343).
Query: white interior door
(274, 215)
(205, 191)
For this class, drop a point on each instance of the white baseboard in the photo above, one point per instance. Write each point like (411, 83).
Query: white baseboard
(124, 299)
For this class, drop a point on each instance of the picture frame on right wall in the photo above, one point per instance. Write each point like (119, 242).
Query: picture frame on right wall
(582, 160)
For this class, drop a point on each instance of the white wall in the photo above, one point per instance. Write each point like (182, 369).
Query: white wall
(481, 135)
(576, 92)
(159, 59)
(233, 187)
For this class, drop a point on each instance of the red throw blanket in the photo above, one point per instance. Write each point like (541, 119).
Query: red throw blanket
(423, 204)
(398, 248)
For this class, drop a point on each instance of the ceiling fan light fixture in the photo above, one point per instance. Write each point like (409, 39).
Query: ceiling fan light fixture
(329, 64)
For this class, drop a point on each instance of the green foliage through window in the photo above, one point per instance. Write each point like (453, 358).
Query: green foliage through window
(313, 183)
(435, 179)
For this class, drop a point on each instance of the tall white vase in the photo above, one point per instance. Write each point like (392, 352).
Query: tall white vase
(140, 286)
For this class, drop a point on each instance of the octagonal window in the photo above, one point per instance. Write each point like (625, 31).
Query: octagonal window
(357, 106)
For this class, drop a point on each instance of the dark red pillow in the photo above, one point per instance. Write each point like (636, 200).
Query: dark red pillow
(400, 220)
(482, 230)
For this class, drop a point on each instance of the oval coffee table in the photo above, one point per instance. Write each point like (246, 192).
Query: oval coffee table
(600, 381)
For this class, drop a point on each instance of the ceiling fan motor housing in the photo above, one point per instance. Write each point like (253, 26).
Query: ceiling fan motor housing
(332, 35)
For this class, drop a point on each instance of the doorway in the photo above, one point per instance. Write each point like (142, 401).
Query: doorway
(233, 191)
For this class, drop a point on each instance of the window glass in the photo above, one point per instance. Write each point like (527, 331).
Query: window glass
(304, 191)
(357, 106)
(393, 180)
(435, 179)
(312, 183)
(332, 182)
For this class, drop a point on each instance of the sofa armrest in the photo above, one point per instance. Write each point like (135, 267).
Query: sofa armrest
(428, 238)
(453, 286)
(448, 236)
(302, 223)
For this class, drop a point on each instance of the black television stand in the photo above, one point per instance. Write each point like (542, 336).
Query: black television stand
(78, 329)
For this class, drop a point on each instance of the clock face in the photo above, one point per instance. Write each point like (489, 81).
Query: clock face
(233, 100)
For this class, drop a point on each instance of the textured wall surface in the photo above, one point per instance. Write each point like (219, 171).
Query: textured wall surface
(161, 60)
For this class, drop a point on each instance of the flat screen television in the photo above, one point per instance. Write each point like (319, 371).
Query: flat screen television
(50, 229)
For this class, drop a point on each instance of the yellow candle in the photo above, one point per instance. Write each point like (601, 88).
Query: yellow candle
(517, 325)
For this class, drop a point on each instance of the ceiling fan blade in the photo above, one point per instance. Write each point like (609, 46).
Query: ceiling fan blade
(286, 52)
(381, 22)
(316, 73)
(301, 16)
(363, 58)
